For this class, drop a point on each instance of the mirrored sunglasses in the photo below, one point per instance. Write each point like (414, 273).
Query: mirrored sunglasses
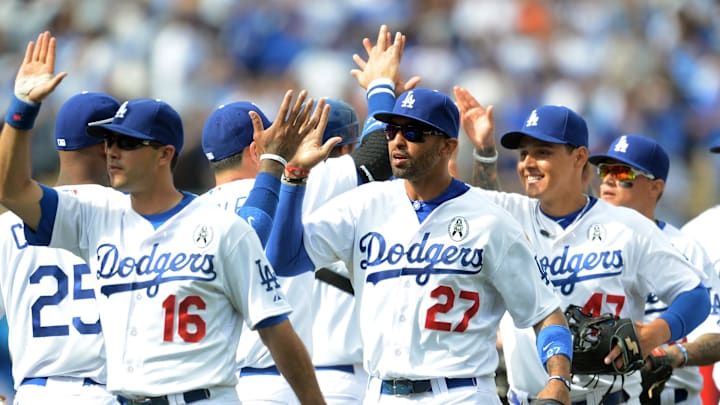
(621, 172)
(412, 133)
(128, 143)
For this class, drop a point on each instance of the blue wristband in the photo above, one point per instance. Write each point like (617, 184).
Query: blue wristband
(553, 340)
(21, 115)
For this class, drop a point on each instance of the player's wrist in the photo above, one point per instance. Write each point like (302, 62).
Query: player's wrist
(485, 155)
(21, 114)
(561, 379)
(681, 359)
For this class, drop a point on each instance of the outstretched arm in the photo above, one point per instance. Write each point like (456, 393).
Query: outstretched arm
(34, 81)
(293, 361)
(479, 125)
(554, 343)
(276, 145)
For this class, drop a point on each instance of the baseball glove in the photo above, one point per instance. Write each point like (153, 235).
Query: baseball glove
(655, 373)
(594, 337)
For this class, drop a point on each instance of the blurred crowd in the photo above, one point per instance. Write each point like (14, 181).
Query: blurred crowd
(644, 67)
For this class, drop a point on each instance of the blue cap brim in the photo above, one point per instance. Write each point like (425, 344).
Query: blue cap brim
(395, 118)
(101, 131)
(715, 149)
(511, 140)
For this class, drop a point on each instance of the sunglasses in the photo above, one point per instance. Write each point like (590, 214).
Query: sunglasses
(412, 133)
(621, 172)
(128, 143)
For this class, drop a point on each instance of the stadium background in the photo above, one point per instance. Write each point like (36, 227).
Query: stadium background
(645, 67)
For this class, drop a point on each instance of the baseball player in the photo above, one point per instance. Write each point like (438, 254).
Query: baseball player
(175, 276)
(227, 141)
(705, 348)
(47, 294)
(633, 173)
(432, 268)
(597, 256)
(337, 349)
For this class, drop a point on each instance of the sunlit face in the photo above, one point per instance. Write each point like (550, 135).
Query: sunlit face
(131, 164)
(548, 170)
(415, 152)
(617, 188)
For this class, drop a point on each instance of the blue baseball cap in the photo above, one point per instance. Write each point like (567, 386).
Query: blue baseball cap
(76, 113)
(553, 124)
(144, 118)
(639, 152)
(342, 122)
(715, 148)
(229, 130)
(430, 107)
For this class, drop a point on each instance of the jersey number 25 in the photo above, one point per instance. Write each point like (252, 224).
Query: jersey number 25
(79, 293)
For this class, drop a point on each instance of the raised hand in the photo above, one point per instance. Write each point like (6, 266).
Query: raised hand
(311, 150)
(289, 128)
(476, 120)
(383, 61)
(35, 78)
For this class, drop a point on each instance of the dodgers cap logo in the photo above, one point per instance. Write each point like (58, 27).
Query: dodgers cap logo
(553, 124)
(229, 130)
(637, 151)
(144, 118)
(427, 106)
(71, 124)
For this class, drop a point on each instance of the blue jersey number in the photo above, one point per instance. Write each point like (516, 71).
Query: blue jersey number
(62, 291)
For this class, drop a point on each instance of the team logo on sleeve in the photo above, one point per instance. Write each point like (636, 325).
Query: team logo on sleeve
(202, 236)
(597, 233)
(458, 229)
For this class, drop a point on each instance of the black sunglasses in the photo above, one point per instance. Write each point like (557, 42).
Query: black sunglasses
(128, 142)
(412, 133)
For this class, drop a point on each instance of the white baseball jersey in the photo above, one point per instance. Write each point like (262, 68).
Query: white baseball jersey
(608, 260)
(48, 296)
(171, 299)
(703, 229)
(336, 336)
(686, 377)
(430, 294)
(252, 352)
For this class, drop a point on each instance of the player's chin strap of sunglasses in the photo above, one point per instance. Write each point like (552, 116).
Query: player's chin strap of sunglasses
(189, 397)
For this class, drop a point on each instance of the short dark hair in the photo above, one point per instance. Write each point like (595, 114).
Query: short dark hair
(229, 162)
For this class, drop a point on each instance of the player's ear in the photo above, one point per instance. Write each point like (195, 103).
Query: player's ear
(581, 156)
(449, 146)
(250, 152)
(166, 153)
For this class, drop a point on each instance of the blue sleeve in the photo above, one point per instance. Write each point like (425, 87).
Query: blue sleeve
(48, 210)
(381, 97)
(260, 207)
(687, 311)
(285, 249)
(273, 320)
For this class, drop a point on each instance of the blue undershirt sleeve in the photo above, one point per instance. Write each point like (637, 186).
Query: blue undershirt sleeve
(273, 320)
(285, 249)
(260, 207)
(48, 210)
(687, 311)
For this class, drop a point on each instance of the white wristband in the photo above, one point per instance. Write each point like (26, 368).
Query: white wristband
(684, 353)
(485, 159)
(274, 157)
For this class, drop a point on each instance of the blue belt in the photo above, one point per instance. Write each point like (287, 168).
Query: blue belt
(189, 397)
(42, 381)
(615, 398)
(407, 387)
(344, 368)
(272, 370)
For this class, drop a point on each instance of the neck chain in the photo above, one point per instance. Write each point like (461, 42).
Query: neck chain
(546, 233)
